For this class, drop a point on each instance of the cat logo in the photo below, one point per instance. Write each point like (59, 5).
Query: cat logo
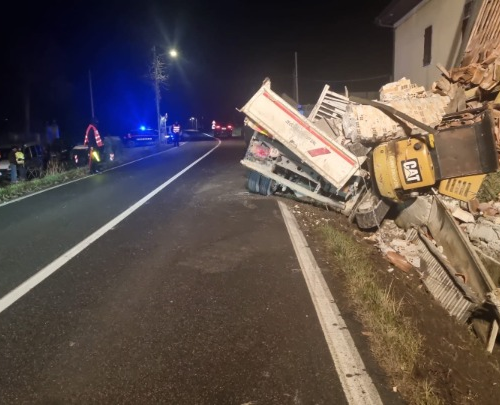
(411, 171)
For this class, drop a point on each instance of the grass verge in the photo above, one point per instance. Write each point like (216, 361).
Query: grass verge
(394, 340)
(50, 179)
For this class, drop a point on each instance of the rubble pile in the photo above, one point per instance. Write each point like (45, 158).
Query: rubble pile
(479, 219)
(472, 89)
(368, 124)
(480, 222)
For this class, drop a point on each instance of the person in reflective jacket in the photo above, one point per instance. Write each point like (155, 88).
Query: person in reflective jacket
(95, 144)
(20, 163)
(176, 130)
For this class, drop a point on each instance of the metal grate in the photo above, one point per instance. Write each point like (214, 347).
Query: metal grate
(438, 282)
(330, 105)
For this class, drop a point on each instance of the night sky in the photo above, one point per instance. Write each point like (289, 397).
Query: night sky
(227, 49)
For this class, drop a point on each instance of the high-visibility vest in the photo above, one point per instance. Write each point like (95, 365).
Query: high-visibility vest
(97, 137)
(176, 129)
(19, 157)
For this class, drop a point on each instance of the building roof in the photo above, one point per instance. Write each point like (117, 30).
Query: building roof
(394, 11)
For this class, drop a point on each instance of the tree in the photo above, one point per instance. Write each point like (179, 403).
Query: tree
(159, 78)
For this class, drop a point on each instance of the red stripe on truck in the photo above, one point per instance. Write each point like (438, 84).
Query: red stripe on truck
(310, 130)
(318, 152)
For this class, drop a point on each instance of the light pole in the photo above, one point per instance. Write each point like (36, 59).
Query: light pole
(156, 72)
(160, 77)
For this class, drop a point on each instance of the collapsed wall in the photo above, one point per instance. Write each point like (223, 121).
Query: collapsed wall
(368, 124)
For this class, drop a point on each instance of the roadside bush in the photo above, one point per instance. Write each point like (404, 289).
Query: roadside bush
(54, 167)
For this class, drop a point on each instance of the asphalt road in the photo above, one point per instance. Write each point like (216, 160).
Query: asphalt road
(192, 296)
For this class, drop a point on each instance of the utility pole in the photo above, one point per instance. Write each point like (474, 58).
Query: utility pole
(156, 73)
(296, 81)
(91, 98)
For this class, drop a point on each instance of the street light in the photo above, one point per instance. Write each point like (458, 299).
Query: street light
(160, 77)
(194, 123)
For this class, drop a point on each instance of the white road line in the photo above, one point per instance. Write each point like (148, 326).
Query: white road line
(11, 297)
(357, 384)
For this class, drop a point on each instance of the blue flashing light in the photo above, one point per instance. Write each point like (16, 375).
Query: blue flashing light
(142, 128)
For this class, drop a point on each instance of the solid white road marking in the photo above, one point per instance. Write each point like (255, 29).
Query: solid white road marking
(11, 297)
(357, 384)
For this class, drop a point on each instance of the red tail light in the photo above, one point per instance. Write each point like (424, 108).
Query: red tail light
(260, 152)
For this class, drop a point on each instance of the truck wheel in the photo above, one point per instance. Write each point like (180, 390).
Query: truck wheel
(260, 184)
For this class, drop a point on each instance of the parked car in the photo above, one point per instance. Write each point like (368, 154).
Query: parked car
(4, 163)
(33, 160)
(59, 151)
(79, 155)
(223, 131)
(140, 136)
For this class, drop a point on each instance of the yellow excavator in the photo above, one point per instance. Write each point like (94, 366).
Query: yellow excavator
(455, 160)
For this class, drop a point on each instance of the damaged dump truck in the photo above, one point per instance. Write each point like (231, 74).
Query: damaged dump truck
(359, 156)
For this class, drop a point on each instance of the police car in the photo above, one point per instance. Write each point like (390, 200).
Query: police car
(140, 136)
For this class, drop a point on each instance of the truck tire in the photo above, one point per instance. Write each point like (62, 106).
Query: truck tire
(259, 184)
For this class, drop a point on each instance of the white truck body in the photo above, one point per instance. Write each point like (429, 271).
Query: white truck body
(320, 151)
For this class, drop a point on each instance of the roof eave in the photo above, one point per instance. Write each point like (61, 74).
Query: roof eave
(395, 11)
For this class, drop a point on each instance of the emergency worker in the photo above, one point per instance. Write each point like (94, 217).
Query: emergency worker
(176, 130)
(95, 144)
(20, 163)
